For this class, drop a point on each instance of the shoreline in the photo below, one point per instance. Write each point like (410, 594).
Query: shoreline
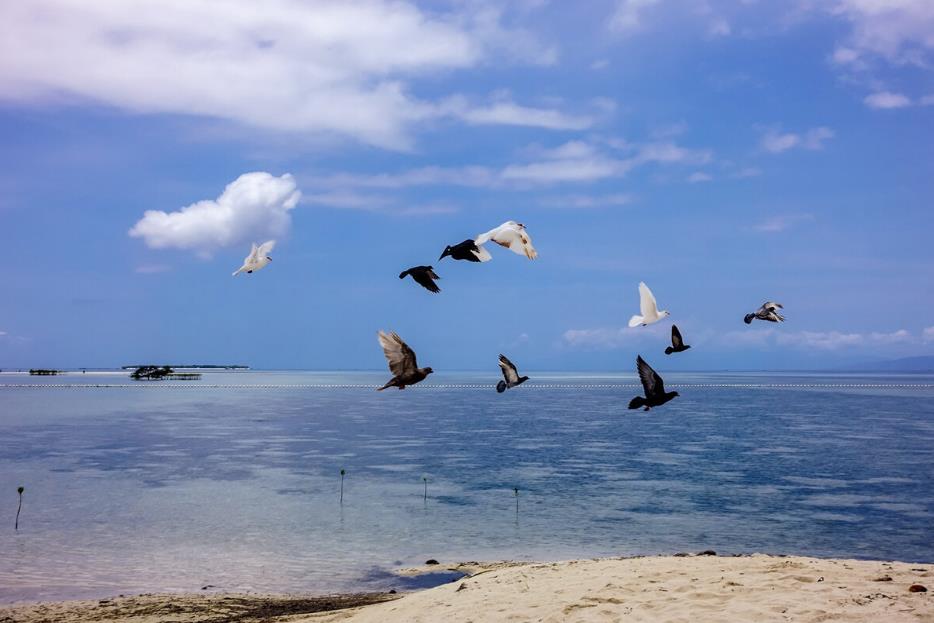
(701, 587)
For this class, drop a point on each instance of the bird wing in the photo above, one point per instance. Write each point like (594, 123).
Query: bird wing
(432, 274)
(652, 384)
(482, 254)
(424, 279)
(486, 237)
(770, 306)
(251, 258)
(676, 340)
(647, 305)
(509, 369)
(265, 248)
(401, 358)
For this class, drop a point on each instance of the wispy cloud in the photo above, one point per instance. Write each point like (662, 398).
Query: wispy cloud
(328, 66)
(255, 205)
(587, 201)
(504, 111)
(152, 269)
(611, 338)
(776, 142)
(699, 176)
(782, 222)
(629, 15)
(814, 340)
(927, 335)
(886, 100)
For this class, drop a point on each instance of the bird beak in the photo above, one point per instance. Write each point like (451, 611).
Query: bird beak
(268, 258)
(445, 254)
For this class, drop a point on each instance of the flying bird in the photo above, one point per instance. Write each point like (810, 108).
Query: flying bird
(677, 343)
(510, 375)
(258, 257)
(768, 311)
(511, 235)
(652, 385)
(467, 250)
(402, 362)
(648, 307)
(424, 276)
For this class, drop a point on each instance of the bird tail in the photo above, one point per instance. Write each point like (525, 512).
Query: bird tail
(501, 387)
(637, 402)
(482, 254)
(669, 350)
(748, 318)
(635, 321)
(237, 272)
(389, 384)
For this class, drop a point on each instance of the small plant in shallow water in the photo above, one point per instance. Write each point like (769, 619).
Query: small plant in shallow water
(515, 490)
(425, 480)
(343, 471)
(19, 490)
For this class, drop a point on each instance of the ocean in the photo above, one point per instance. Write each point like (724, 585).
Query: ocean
(232, 483)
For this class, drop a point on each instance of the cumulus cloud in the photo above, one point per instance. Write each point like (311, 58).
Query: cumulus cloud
(254, 206)
(629, 15)
(776, 142)
(897, 31)
(887, 100)
(286, 65)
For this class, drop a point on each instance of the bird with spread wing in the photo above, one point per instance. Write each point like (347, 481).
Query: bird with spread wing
(652, 385)
(402, 362)
(511, 376)
(511, 235)
(258, 257)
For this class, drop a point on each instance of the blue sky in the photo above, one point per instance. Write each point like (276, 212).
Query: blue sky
(725, 152)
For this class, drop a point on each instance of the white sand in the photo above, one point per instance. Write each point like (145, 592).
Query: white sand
(668, 588)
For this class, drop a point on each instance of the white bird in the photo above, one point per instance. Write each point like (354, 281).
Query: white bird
(258, 257)
(511, 235)
(648, 307)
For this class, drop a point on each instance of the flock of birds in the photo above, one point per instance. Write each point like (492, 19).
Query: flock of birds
(513, 236)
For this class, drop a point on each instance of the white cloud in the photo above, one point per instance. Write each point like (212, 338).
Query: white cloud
(781, 222)
(898, 31)
(927, 335)
(286, 65)
(2, 333)
(777, 142)
(628, 16)
(255, 205)
(719, 27)
(834, 340)
(887, 100)
(699, 176)
(509, 113)
(351, 200)
(610, 338)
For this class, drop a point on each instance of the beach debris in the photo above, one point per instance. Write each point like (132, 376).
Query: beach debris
(424, 276)
(511, 235)
(884, 578)
(917, 588)
(19, 507)
(461, 587)
(258, 257)
(652, 385)
(768, 312)
(431, 561)
(402, 362)
(648, 308)
(707, 552)
(511, 376)
(466, 250)
(677, 342)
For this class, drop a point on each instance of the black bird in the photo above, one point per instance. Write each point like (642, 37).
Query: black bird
(467, 250)
(677, 343)
(654, 387)
(402, 362)
(423, 276)
(510, 374)
(768, 311)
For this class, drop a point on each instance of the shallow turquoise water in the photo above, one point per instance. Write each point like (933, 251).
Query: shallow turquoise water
(158, 488)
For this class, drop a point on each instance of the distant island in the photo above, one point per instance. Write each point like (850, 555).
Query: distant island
(158, 373)
(43, 372)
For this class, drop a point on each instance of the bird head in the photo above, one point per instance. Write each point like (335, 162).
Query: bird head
(428, 370)
(666, 313)
(447, 252)
(675, 394)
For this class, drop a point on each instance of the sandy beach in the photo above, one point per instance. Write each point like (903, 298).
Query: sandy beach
(655, 588)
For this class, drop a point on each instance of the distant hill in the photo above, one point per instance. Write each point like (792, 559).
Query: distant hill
(905, 364)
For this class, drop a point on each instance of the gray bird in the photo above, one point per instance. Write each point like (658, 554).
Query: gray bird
(402, 362)
(768, 311)
(510, 375)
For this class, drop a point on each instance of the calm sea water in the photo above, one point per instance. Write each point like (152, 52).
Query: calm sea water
(154, 488)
